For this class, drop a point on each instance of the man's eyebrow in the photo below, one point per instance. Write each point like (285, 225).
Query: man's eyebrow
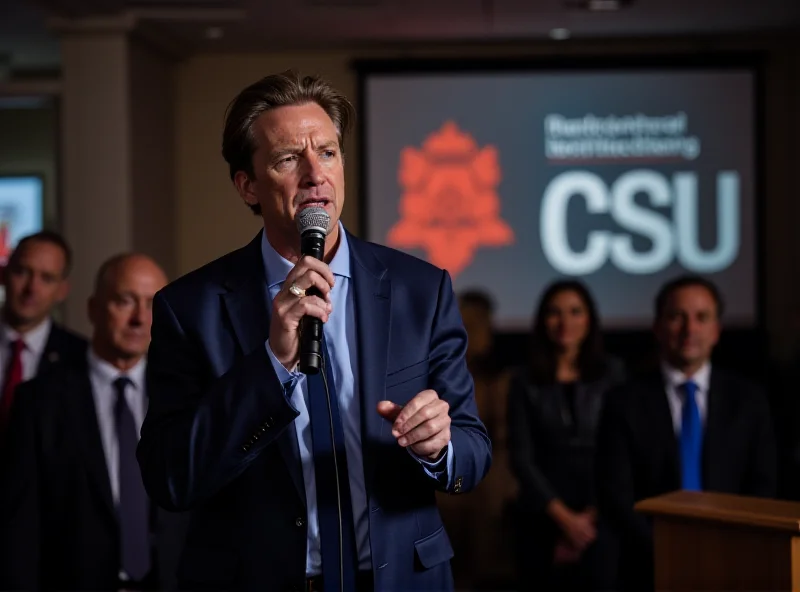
(286, 149)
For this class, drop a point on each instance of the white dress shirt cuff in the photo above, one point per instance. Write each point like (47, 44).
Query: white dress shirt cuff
(440, 470)
(287, 379)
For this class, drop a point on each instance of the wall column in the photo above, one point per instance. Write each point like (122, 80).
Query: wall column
(116, 151)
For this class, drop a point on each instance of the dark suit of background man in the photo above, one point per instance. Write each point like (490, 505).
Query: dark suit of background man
(688, 425)
(75, 515)
(35, 281)
(236, 433)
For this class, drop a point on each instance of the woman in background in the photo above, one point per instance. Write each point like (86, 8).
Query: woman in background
(554, 406)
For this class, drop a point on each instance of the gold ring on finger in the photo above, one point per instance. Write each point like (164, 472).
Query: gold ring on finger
(299, 292)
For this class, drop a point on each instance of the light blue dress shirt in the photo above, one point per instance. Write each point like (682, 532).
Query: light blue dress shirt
(340, 335)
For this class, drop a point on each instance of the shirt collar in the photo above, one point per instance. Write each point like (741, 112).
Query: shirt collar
(107, 373)
(277, 267)
(35, 339)
(675, 378)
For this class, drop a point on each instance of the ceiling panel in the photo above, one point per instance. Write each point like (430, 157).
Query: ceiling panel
(253, 25)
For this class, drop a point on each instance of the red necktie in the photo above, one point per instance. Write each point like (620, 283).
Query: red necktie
(13, 378)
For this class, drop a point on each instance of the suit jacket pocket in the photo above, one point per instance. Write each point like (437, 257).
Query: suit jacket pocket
(434, 548)
(207, 568)
(407, 374)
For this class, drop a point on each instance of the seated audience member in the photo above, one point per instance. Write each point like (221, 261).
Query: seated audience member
(687, 425)
(554, 406)
(74, 513)
(35, 281)
(477, 523)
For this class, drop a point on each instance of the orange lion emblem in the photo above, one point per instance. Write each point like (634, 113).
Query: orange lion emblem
(450, 207)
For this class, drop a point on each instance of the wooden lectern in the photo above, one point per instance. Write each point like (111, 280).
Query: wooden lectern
(713, 541)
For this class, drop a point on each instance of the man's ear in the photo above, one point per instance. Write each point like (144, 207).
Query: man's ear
(244, 185)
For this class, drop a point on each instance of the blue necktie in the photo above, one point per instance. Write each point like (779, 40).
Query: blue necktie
(691, 440)
(334, 506)
(134, 523)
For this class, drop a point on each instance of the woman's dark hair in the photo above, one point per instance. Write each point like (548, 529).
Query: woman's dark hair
(271, 92)
(591, 358)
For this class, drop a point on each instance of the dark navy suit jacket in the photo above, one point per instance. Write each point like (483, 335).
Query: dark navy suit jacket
(638, 457)
(59, 527)
(218, 437)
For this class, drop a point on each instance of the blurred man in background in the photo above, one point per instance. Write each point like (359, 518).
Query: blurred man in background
(478, 523)
(75, 515)
(687, 425)
(35, 282)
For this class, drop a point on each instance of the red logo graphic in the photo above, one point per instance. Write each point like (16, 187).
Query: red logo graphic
(450, 207)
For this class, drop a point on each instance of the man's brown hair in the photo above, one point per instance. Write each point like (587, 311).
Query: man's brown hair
(277, 90)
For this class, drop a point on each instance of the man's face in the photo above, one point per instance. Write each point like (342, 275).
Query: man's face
(122, 310)
(688, 328)
(35, 283)
(297, 164)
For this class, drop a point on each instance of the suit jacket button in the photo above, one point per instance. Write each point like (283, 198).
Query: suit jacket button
(300, 522)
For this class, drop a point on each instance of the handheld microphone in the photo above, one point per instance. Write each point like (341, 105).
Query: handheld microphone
(313, 226)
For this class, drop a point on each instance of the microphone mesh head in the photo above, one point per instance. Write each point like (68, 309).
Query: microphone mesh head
(313, 219)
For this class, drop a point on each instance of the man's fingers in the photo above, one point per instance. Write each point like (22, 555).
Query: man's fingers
(316, 278)
(308, 280)
(432, 446)
(313, 306)
(413, 406)
(425, 431)
(436, 409)
(388, 410)
(307, 263)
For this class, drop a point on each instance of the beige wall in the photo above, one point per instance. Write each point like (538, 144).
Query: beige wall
(95, 155)
(152, 136)
(212, 220)
(117, 154)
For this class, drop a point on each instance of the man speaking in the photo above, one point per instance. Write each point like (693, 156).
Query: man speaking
(309, 480)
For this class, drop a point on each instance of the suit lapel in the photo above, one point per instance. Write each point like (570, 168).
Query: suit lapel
(246, 299)
(661, 423)
(714, 438)
(52, 351)
(96, 466)
(246, 304)
(372, 292)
